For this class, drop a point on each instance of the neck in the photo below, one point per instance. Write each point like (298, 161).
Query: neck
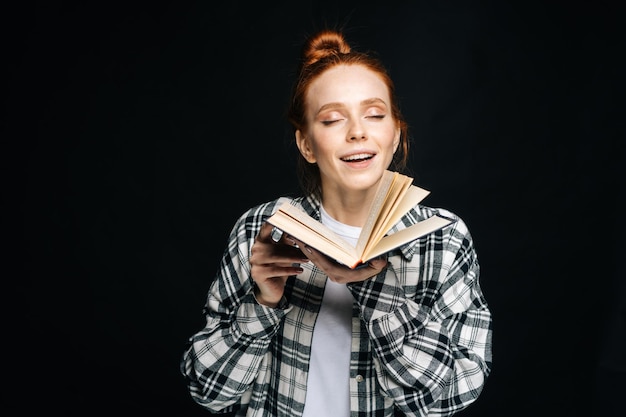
(348, 208)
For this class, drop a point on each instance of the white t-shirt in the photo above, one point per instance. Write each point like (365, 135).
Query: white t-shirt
(328, 385)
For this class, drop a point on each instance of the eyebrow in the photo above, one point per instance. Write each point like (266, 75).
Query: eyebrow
(336, 105)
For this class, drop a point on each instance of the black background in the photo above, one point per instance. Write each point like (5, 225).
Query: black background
(136, 134)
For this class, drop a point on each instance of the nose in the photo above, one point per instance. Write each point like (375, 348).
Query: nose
(357, 132)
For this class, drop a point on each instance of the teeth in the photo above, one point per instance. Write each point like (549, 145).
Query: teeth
(357, 156)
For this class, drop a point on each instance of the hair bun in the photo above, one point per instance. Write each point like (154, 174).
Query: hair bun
(325, 43)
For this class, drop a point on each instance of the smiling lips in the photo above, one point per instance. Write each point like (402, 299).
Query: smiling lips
(357, 157)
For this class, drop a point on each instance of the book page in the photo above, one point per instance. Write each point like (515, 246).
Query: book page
(412, 196)
(294, 221)
(403, 236)
(396, 194)
(382, 193)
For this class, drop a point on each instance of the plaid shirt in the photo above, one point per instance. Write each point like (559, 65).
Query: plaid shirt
(421, 329)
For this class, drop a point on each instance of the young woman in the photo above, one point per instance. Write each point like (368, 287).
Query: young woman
(290, 332)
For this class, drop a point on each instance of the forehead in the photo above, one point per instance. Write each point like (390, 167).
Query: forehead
(347, 84)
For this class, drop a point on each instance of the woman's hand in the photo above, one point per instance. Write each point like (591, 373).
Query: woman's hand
(340, 273)
(272, 263)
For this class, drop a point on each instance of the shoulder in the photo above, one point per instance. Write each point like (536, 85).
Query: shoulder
(422, 212)
(254, 217)
(457, 231)
(267, 208)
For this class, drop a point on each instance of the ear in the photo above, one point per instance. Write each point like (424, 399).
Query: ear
(396, 140)
(303, 146)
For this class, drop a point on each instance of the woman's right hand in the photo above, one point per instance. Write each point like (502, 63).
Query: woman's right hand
(272, 263)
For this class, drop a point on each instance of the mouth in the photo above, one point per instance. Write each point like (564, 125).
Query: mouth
(359, 157)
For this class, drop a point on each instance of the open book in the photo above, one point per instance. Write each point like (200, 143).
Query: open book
(396, 195)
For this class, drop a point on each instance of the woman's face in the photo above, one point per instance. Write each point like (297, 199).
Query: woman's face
(351, 133)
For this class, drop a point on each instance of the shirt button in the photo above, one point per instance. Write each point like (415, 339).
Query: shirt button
(359, 378)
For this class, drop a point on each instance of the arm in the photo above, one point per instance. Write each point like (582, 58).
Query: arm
(221, 361)
(434, 348)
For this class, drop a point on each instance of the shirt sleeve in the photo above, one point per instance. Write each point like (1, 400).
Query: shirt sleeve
(221, 361)
(429, 325)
